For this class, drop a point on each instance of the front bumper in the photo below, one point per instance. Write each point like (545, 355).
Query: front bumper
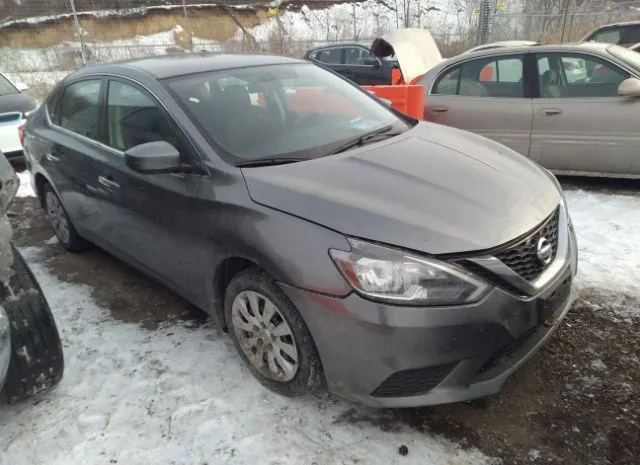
(391, 356)
(5, 346)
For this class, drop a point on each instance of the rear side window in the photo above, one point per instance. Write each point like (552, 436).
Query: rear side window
(330, 56)
(485, 77)
(79, 109)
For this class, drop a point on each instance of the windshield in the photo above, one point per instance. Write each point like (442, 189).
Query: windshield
(291, 110)
(6, 88)
(629, 57)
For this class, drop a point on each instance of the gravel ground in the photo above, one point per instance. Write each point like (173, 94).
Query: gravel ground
(576, 402)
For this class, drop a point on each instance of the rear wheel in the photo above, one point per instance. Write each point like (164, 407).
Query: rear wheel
(60, 222)
(37, 362)
(271, 336)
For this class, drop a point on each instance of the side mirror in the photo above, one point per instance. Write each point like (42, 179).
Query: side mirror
(154, 157)
(373, 61)
(629, 88)
(22, 87)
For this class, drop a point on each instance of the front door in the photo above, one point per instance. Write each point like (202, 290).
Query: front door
(149, 216)
(365, 72)
(487, 96)
(580, 124)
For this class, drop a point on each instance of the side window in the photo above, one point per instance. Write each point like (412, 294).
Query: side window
(447, 84)
(53, 107)
(577, 76)
(330, 56)
(502, 77)
(356, 55)
(133, 118)
(609, 36)
(79, 109)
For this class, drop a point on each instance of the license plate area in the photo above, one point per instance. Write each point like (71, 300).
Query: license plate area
(547, 306)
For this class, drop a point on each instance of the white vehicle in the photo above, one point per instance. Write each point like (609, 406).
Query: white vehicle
(14, 109)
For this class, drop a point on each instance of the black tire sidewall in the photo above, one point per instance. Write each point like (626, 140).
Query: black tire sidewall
(310, 376)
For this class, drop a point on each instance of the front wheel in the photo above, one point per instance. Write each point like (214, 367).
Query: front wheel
(271, 336)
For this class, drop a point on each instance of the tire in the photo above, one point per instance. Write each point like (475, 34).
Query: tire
(60, 222)
(308, 376)
(37, 360)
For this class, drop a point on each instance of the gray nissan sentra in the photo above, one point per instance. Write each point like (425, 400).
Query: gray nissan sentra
(339, 242)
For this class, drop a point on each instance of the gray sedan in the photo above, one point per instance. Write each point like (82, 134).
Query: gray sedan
(338, 241)
(571, 108)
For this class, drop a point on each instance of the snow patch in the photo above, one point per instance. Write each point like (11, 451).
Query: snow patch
(607, 229)
(25, 189)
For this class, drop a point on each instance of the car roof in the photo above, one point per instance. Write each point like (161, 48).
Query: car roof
(613, 25)
(338, 44)
(168, 66)
(574, 47)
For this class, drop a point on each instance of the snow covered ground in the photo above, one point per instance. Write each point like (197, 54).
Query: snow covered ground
(179, 395)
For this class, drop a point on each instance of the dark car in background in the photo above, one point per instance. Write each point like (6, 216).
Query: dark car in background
(624, 34)
(355, 62)
(403, 263)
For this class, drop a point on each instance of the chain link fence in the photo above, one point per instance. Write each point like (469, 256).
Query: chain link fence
(43, 40)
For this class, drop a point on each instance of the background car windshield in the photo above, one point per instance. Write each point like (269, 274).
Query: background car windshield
(6, 88)
(293, 110)
(629, 57)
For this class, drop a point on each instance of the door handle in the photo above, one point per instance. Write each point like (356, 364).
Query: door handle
(551, 111)
(108, 183)
(51, 158)
(439, 109)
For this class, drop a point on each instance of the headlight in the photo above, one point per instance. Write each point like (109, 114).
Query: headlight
(394, 276)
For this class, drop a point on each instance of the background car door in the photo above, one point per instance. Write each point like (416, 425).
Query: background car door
(73, 151)
(358, 61)
(580, 123)
(488, 96)
(149, 216)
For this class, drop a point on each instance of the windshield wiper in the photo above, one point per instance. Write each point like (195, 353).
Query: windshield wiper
(382, 133)
(268, 161)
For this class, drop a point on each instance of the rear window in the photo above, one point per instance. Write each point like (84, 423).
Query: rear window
(629, 57)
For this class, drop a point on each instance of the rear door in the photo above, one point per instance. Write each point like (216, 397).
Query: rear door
(489, 96)
(70, 150)
(580, 124)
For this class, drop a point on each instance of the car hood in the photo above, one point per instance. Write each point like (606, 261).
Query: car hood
(16, 102)
(414, 48)
(434, 189)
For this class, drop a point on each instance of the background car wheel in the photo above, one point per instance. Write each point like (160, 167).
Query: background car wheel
(271, 336)
(60, 222)
(37, 361)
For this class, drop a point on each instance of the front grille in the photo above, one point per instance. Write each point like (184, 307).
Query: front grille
(522, 257)
(507, 351)
(413, 382)
(10, 117)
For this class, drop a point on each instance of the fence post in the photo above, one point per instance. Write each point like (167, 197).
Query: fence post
(78, 32)
(483, 23)
(564, 23)
(187, 25)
